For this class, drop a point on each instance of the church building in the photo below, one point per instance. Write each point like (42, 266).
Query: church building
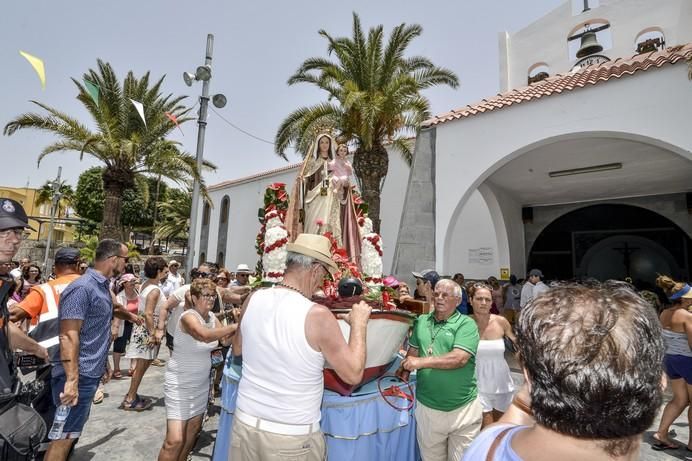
(581, 166)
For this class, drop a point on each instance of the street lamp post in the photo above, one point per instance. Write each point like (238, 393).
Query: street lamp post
(53, 209)
(202, 73)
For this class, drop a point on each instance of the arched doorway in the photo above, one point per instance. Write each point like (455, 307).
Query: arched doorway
(612, 241)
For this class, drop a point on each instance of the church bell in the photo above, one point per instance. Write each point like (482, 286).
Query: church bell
(589, 45)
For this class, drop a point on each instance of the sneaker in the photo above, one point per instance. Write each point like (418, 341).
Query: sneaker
(158, 363)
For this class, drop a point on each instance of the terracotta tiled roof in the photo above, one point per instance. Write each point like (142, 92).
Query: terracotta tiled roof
(233, 182)
(569, 82)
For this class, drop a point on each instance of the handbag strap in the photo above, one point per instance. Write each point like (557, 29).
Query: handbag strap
(496, 443)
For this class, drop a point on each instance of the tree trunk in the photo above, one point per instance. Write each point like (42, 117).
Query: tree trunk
(156, 207)
(114, 183)
(371, 168)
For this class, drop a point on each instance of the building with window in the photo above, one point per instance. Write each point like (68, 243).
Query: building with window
(581, 165)
(65, 228)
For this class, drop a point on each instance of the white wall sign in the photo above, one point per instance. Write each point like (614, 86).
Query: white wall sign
(483, 255)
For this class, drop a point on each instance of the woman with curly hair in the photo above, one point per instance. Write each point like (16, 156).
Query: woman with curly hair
(592, 357)
(676, 321)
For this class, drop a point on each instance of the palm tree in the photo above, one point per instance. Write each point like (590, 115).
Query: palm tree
(122, 142)
(373, 100)
(88, 251)
(46, 193)
(174, 215)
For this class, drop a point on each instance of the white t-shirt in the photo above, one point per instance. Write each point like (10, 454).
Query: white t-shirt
(172, 283)
(179, 295)
(539, 288)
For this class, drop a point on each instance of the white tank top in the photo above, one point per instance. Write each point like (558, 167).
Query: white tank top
(282, 378)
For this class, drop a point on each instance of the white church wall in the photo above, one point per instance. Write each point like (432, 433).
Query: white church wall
(392, 204)
(473, 246)
(245, 200)
(652, 107)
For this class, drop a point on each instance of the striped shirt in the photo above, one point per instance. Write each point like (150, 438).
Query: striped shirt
(89, 299)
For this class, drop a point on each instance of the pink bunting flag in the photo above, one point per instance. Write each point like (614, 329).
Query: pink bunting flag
(174, 119)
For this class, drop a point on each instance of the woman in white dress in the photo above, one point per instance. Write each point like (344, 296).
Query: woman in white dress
(144, 344)
(187, 378)
(495, 385)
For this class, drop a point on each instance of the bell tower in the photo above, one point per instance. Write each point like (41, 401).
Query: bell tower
(589, 49)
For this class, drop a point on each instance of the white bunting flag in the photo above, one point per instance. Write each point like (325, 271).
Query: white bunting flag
(140, 109)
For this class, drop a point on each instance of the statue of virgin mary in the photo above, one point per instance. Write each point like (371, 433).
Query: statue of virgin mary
(316, 206)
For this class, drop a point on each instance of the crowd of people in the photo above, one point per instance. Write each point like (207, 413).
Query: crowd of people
(73, 318)
(596, 357)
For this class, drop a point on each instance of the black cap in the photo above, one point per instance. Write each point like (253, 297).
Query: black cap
(67, 256)
(12, 214)
(428, 275)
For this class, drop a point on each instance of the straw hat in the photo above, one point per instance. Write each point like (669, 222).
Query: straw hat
(243, 269)
(314, 246)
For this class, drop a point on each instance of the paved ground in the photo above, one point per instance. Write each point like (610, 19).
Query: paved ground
(112, 434)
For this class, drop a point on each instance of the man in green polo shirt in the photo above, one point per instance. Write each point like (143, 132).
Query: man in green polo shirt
(443, 350)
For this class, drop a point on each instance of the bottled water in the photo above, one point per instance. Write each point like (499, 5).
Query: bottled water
(59, 422)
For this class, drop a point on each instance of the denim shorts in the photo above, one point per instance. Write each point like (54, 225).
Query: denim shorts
(79, 413)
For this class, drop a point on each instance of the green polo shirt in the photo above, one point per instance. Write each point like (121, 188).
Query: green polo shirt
(446, 390)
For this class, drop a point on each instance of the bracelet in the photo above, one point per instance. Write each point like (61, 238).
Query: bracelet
(523, 406)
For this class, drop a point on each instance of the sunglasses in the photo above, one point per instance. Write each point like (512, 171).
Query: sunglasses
(222, 278)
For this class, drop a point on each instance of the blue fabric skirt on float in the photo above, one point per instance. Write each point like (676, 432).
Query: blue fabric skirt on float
(361, 426)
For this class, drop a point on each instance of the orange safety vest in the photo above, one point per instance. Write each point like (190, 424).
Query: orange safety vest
(50, 293)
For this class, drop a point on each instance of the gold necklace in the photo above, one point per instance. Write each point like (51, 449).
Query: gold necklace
(433, 335)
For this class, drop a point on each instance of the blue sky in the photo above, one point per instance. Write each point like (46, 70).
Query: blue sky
(258, 45)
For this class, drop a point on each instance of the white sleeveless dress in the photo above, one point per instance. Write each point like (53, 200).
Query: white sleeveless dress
(139, 347)
(495, 385)
(186, 384)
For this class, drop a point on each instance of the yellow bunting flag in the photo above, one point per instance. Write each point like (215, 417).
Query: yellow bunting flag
(38, 66)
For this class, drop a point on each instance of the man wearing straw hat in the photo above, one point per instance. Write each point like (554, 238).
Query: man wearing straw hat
(284, 339)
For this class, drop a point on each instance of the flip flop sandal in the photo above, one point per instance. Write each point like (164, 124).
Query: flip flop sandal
(662, 446)
(117, 375)
(138, 404)
(98, 396)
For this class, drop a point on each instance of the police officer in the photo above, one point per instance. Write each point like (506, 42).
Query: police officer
(13, 222)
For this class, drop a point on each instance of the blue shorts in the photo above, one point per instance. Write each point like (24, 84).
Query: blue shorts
(678, 366)
(79, 413)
